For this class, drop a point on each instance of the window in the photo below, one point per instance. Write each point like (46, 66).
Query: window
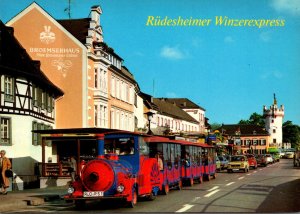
(36, 138)
(96, 77)
(5, 131)
(263, 142)
(96, 115)
(274, 130)
(44, 100)
(274, 140)
(34, 135)
(49, 103)
(35, 92)
(113, 86)
(8, 89)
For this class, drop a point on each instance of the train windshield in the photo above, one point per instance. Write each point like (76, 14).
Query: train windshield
(119, 146)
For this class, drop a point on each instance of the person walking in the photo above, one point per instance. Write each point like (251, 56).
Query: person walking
(5, 164)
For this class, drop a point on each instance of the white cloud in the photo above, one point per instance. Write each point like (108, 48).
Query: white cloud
(172, 52)
(228, 39)
(287, 6)
(272, 74)
(265, 36)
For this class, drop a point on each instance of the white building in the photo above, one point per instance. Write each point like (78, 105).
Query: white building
(273, 123)
(26, 104)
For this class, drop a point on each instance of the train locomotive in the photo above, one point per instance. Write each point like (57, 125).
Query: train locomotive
(122, 170)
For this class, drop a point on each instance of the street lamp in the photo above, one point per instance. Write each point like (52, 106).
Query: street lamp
(150, 117)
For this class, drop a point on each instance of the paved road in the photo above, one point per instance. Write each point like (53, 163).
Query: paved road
(275, 188)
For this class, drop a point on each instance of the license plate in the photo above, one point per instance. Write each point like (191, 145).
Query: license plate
(93, 194)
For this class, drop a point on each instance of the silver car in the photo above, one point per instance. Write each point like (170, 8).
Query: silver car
(269, 158)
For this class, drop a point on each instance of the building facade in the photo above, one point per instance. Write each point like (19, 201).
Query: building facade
(27, 103)
(98, 89)
(246, 138)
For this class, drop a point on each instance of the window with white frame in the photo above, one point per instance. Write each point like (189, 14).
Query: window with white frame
(112, 119)
(8, 89)
(113, 86)
(118, 89)
(5, 131)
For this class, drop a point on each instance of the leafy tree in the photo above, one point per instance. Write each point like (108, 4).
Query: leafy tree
(291, 134)
(254, 119)
(215, 126)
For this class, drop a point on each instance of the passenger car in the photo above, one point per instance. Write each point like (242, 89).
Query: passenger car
(224, 162)
(269, 158)
(252, 161)
(238, 162)
(276, 157)
(261, 160)
(289, 155)
(218, 163)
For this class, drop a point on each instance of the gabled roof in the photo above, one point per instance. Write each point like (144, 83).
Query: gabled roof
(148, 101)
(243, 130)
(184, 103)
(15, 61)
(77, 27)
(169, 109)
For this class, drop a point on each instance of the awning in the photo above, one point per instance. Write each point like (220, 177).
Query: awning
(273, 150)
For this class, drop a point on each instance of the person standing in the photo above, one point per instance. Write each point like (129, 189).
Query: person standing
(4, 165)
(73, 165)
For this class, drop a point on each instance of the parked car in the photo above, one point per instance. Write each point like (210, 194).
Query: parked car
(276, 157)
(218, 163)
(261, 160)
(238, 162)
(289, 155)
(269, 159)
(224, 162)
(252, 161)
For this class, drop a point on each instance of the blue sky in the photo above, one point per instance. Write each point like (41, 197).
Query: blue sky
(230, 71)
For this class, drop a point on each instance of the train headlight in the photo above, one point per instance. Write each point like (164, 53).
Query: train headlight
(120, 188)
(71, 190)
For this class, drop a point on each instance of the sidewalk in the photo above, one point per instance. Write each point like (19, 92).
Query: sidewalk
(16, 200)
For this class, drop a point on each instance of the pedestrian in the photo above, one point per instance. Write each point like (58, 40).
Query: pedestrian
(5, 164)
(73, 167)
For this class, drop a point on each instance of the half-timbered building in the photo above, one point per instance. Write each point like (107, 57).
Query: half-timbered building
(27, 103)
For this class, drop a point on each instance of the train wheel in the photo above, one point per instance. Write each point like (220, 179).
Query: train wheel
(80, 204)
(133, 201)
(166, 189)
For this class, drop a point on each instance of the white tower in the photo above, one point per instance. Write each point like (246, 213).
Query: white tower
(273, 120)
